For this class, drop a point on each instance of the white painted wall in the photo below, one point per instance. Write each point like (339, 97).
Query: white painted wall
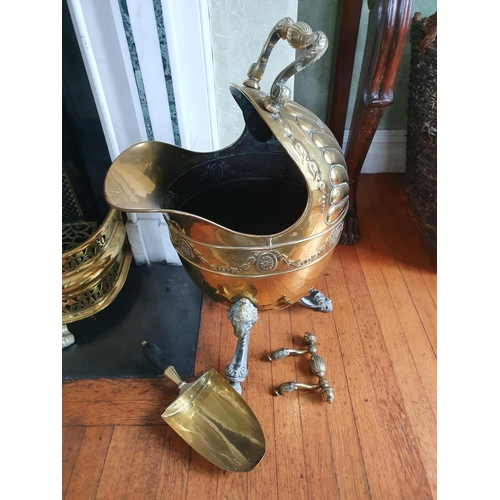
(238, 32)
(387, 152)
(187, 24)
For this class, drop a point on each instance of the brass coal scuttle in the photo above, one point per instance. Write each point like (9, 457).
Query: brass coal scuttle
(256, 223)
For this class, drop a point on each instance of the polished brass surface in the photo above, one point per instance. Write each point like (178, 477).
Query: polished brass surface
(257, 220)
(94, 271)
(300, 37)
(309, 341)
(293, 385)
(283, 352)
(326, 392)
(279, 197)
(76, 233)
(172, 374)
(316, 364)
(216, 422)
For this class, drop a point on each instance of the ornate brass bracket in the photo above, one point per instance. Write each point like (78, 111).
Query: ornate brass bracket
(316, 363)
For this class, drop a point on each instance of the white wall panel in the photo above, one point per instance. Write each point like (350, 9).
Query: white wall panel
(145, 32)
(239, 30)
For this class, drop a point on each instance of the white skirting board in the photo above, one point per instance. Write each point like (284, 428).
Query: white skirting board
(150, 240)
(387, 152)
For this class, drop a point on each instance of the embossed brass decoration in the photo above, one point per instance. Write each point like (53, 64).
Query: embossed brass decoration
(94, 271)
(259, 219)
(316, 363)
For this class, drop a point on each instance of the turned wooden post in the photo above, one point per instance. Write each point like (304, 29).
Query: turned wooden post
(388, 26)
(345, 52)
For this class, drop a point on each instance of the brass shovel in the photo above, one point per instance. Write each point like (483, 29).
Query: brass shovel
(212, 418)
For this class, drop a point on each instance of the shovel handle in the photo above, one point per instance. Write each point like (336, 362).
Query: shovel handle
(154, 355)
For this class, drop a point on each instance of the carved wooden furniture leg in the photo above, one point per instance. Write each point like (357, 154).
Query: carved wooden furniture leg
(345, 53)
(388, 25)
(243, 315)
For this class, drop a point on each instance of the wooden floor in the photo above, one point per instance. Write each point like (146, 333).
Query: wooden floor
(376, 440)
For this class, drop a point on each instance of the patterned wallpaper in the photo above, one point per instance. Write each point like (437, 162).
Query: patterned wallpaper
(239, 30)
(312, 85)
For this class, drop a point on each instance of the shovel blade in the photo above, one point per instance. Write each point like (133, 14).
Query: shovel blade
(218, 424)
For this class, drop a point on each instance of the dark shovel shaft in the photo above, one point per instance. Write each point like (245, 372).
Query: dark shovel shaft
(158, 360)
(153, 354)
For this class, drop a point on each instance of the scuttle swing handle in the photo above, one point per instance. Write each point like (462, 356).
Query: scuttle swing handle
(300, 37)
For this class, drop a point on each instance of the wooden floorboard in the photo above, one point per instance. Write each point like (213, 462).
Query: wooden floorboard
(416, 263)
(346, 463)
(87, 469)
(361, 366)
(146, 463)
(288, 439)
(174, 471)
(72, 438)
(377, 440)
(263, 479)
(117, 468)
(116, 401)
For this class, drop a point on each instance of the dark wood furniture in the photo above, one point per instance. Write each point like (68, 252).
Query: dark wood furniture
(388, 26)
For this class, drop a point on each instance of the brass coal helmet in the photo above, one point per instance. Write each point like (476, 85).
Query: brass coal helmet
(255, 223)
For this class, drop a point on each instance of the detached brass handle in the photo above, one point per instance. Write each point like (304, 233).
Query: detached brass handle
(309, 341)
(317, 365)
(326, 392)
(300, 37)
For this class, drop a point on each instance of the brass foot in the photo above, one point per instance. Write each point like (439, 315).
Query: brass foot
(350, 233)
(317, 301)
(67, 337)
(243, 315)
